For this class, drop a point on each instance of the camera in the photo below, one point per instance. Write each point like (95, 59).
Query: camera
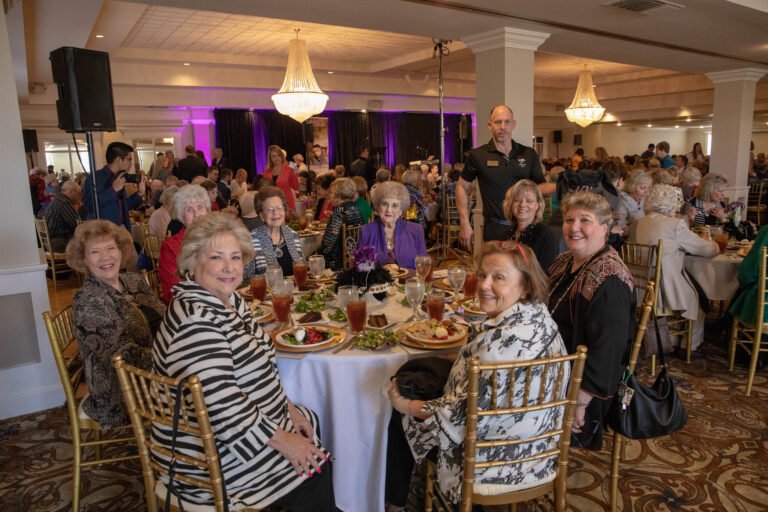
(132, 178)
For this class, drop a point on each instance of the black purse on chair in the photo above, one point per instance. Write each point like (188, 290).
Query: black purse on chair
(654, 411)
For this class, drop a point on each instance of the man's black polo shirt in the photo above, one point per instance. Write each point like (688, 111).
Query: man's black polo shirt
(497, 172)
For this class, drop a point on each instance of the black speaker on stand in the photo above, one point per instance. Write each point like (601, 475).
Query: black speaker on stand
(577, 139)
(463, 133)
(85, 105)
(557, 138)
(30, 145)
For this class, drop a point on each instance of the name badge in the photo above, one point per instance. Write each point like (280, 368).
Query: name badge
(492, 163)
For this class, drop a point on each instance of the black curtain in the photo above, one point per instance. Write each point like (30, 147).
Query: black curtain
(346, 132)
(280, 130)
(234, 135)
(244, 135)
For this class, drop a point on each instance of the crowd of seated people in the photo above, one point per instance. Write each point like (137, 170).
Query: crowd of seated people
(548, 285)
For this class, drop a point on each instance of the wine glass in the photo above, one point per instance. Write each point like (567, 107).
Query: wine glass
(423, 266)
(456, 276)
(414, 292)
(316, 266)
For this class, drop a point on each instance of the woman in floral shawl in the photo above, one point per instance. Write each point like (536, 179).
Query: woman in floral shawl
(512, 291)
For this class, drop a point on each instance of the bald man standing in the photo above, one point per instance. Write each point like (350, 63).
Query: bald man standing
(497, 166)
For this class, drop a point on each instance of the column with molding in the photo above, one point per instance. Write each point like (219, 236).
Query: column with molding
(732, 120)
(503, 75)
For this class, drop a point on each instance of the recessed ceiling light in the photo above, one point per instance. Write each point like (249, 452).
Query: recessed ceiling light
(364, 111)
(688, 120)
(186, 64)
(330, 72)
(650, 125)
(619, 123)
(701, 126)
(677, 126)
(99, 36)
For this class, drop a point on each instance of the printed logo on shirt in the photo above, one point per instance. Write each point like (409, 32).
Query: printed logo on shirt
(492, 163)
(521, 162)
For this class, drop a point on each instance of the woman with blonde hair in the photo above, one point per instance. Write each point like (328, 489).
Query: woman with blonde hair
(269, 447)
(524, 208)
(282, 174)
(707, 208)
(631, 199)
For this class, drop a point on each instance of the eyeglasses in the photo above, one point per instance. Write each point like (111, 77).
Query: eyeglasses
(273, 209)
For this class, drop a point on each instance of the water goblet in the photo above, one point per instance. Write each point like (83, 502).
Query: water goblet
(346, 293)
(273, 274)
(316, 265)
(423, 266)
(414, 292)
(456, 276)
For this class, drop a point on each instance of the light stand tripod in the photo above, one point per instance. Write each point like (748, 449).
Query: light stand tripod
(441, 50)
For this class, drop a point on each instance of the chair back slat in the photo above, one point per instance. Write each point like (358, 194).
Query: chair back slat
(645, 313)
(149, 396)
(644, 263)
(66, 352)
(532, 400)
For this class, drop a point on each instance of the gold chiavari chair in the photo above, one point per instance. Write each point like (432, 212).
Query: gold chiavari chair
(547, 208)
(66, 353)
(448, 233)
(536, 400)
(153, 280)
(645, 266)
(618, 440)
(350, 236)
(150, 398)
(756, 209)
(750, 337)
(152, 245)
(57, 261)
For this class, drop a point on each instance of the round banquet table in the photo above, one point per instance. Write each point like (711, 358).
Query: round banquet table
(717, 276)
(348, 392)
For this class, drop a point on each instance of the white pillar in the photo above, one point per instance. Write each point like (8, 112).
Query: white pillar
(28, 378)
(202, 130)
(733, 113)
(503, 75)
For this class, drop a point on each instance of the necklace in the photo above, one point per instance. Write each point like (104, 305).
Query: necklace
(568, 290)
(278, 247)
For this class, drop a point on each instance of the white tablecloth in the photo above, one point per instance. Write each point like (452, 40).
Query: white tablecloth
(717, 276)
(348, 392)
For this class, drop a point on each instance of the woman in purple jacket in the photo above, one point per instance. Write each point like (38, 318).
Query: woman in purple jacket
(396, 240)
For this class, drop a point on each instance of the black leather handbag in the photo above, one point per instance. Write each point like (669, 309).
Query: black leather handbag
(424, 378)
(654, 411)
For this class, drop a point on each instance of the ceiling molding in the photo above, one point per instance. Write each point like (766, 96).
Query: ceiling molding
(737, 75)
(505, 37)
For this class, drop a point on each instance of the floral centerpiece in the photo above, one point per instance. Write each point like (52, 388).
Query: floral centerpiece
(366, 273)
(735, 226)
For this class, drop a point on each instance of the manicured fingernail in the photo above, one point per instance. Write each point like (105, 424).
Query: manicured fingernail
(325, 457)
(319, 471)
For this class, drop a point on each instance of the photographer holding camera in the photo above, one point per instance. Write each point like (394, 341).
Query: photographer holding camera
(114, 201)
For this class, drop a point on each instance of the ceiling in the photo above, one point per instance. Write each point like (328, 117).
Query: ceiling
(647, 68)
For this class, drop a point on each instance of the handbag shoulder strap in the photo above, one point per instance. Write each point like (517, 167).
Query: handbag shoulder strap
(172, 466)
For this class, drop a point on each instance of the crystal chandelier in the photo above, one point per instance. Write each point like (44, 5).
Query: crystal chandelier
(300, 97)
(584, 109)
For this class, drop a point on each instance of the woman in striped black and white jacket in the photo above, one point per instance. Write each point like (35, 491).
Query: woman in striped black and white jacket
(269, 448)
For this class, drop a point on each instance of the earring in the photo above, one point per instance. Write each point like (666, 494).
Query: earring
(189, 276)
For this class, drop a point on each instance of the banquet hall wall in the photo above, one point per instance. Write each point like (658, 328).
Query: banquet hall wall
(32, 383)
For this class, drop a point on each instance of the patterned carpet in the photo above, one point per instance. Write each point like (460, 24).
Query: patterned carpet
(718, 463)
